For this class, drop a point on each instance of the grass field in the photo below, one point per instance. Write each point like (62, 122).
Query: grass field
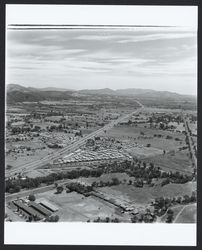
(107, 177)
(178, 162)
(187, 215)
(133, 133)
(142, 152)
(143, 196)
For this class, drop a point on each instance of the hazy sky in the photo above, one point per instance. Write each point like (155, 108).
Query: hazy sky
(152, 58)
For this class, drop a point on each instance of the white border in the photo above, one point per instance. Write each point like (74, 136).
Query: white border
(62, 233)
(182, 16)
(100, 233)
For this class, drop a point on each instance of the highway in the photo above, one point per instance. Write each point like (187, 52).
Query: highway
(70, 148)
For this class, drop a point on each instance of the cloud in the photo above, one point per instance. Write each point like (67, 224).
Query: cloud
(153, 37)
(60, 57)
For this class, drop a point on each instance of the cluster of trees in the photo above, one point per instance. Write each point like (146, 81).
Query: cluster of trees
(161, 205)
(116, 167)
(59, 189)
(146, 217)
(189, 146)
(158, 135)
(13, 185)
(26, 129)
(52, 218)
(113, 182)
(166, 118)
(170, 216)
(106, 220)
(57, 128)
(79, 188)
(31, 197)
(33, 218)
(147, 173)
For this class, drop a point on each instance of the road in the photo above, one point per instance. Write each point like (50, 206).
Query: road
(192, 151)
(43, 189)
(70, 148)
(180, 212)
(163, 217)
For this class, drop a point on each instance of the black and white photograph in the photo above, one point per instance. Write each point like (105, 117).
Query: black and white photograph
(101, 116)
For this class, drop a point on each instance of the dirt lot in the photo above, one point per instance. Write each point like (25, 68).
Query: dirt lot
(75, 207)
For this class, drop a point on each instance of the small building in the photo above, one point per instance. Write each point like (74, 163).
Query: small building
(27, 211)
(51, 207)
(41, 209)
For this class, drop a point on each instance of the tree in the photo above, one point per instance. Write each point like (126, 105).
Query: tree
(53, 218)
(59, 189)
(134, 219)
(8, 167)
(165, 182)
(32, 197)
(144, 164)
(115, 181)
(170, 216)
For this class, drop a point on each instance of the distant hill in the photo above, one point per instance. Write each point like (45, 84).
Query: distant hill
(53, 89)
(152, 93)
(136, 92)
(105, 91)
(18, 93)
(17, 87)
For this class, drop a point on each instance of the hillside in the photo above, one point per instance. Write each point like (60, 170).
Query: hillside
(18, 93)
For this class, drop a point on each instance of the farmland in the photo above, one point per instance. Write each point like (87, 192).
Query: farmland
(100, 159)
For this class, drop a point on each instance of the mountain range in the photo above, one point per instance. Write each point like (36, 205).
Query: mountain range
(18, 93)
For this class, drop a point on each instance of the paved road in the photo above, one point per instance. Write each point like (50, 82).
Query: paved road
(70, 148)
(43, 189)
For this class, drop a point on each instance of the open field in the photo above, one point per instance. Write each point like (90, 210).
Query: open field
(187, 214)
(123, 177)
(143, 196)
(142, 152)
(75, 207)
(133, 133)
(177, 162)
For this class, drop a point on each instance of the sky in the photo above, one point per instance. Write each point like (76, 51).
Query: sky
(159, 58)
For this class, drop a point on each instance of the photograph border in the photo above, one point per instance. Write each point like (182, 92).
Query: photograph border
(2, 116)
